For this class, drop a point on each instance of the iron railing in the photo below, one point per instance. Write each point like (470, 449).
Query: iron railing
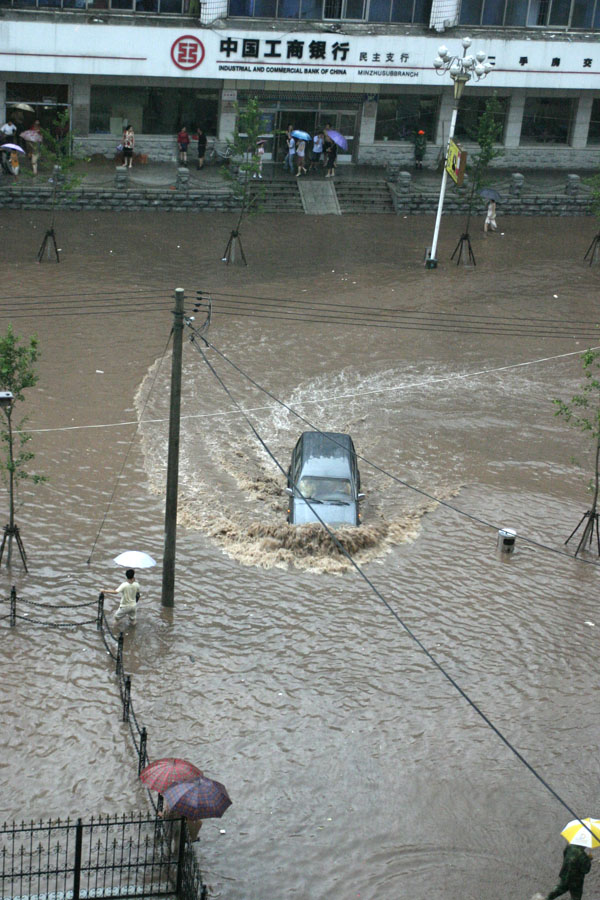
(108, 856)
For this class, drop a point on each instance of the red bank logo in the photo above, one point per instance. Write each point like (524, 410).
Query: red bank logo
(187, 52)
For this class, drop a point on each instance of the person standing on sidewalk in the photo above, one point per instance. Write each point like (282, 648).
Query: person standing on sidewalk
(300, 151)
(288, 162)
(420, 147)
(183, 139)
(201, 147)
(128, 145)
(130, 594)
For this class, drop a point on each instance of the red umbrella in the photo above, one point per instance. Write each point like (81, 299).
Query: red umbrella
(199, 799)
(163, 773)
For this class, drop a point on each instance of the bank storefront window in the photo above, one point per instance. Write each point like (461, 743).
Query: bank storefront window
(469, 113)
(594, 129)
(400, 116)
(152, 110)
(547, 120)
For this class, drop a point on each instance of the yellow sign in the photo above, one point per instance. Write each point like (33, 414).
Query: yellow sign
(456, 162)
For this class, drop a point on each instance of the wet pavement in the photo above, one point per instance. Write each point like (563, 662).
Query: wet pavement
(355, 769)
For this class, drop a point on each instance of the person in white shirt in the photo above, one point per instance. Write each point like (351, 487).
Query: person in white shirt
(130, 594)
(8, 130)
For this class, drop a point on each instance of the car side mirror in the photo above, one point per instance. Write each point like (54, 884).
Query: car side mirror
(361, 496)
(289, 491)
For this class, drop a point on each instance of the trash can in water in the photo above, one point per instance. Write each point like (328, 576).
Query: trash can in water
(506, 540)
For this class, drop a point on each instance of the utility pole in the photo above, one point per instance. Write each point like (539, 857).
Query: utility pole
(168, 580)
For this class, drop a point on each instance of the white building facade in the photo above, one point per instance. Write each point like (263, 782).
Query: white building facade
(364, 67)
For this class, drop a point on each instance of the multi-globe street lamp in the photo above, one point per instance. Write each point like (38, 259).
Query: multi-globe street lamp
(461, 70)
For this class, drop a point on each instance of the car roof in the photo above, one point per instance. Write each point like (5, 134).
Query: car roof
(326, 443)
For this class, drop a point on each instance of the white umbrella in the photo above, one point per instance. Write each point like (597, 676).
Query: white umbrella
(135, 559)
(32, 135)
(24, 106)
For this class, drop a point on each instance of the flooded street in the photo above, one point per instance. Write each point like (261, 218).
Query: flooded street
(355, 768)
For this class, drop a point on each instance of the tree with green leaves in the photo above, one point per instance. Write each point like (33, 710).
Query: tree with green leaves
(17, 373)
(582, 411)
(57, 149)
(488, 134)
(245, 165)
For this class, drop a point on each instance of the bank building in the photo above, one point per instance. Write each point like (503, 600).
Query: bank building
(363, 67)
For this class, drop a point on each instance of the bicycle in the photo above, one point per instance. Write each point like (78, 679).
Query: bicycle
(219, 155)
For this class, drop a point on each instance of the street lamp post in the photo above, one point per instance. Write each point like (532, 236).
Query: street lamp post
(461, 69)
(12, 529)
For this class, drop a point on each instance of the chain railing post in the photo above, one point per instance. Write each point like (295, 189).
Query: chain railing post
(77, 863)
(119, 665)
(13, 606)
(126, 698)
(100, 615)
(142, 756)
(183, 836)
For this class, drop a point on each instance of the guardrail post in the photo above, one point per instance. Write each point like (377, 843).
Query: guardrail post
(77, 863)
(119, 666)
(181, 855)
(100, 611)
(126, 698)
(13, 606)
(142, 756)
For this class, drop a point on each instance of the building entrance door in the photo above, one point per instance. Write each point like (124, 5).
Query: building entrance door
(313, 120)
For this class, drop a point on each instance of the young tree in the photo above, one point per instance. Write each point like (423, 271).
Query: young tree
(17, 373)
(57, 148)
(582, 411)
(245, 166)
(489, 132)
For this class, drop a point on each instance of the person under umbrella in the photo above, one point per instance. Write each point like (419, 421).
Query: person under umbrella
(582, 835)
(330, 155)
(130, 594)
(33, 137)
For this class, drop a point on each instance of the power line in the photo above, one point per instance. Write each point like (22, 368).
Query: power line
(395, 478)
(474, 706)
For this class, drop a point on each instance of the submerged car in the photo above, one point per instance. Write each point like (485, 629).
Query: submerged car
(324, 472)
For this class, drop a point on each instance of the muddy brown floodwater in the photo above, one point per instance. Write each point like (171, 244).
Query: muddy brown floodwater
(355, 768)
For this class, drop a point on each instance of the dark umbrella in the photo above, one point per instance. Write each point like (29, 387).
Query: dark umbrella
(164, 773)
(490, 194)
(338, 139)
(199, 799)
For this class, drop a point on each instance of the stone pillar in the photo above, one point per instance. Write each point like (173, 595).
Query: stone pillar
(3, 101)
(514, 120)
(226, 124)
(581, 125)
(404, 182)
(368, 120)
(516, 184)
(80, 109)
(121, 178)
(183, 179)
(572, 185)
(443, 125)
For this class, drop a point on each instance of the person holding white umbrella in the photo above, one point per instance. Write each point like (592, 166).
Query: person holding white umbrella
(130, 594)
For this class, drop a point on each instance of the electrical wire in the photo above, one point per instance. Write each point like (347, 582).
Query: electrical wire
(390, 475)
(126, 457)
(474, 706)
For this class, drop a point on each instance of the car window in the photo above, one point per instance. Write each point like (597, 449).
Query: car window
(326, 490)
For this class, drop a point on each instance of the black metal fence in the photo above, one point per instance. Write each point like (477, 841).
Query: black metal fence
(117, 857)
(113, 857)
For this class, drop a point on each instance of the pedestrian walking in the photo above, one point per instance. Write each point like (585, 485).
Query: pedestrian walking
(288, 162)
(331, 154)
(130, 594)
(420, 148)
(201, 147)
(577, 862)
(13, 163)
(183, 140)
(300, 153)
(34, 147)
(128, 145)
(259, 154)
(490, 218)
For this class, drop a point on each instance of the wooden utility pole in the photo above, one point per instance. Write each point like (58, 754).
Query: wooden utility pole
(168, 579)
